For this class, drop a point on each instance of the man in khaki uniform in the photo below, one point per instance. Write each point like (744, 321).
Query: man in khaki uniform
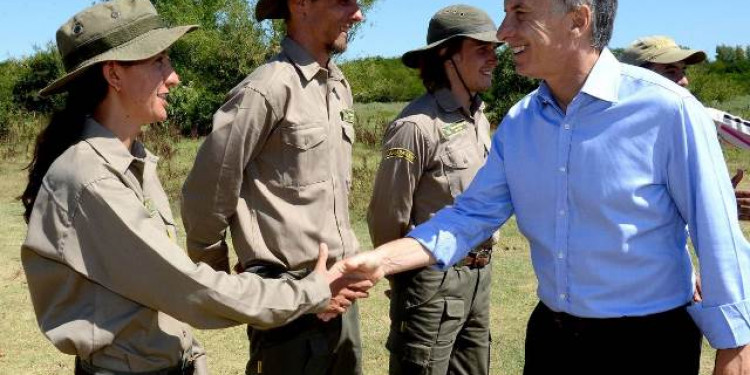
(431, 152)
(662, 55)
(276, 170)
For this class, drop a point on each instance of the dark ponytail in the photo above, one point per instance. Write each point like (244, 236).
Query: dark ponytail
(64, 130)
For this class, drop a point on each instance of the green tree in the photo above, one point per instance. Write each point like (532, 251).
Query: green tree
(378, 79)
(37, 71)
(507, 87)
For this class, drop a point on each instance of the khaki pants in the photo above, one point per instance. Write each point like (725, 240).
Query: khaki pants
(308, 346)
(440, 322)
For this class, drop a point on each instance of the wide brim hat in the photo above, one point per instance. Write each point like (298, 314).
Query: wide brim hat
(455, 21)
(118, 30)
(660, 50)
(271, 10)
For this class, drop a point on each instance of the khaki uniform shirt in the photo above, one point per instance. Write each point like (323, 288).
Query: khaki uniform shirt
(431, 152)
(109, 283)
(276, 169)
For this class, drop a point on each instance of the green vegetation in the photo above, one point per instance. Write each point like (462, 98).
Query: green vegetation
(378, 79)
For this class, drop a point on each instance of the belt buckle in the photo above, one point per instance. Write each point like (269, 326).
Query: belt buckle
(483, 256)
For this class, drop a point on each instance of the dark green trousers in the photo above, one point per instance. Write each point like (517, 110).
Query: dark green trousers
(308, 346)
(440, 322)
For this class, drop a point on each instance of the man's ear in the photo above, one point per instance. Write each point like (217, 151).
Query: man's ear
(581, 20)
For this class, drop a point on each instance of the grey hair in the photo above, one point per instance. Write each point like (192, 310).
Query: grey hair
(603, 12)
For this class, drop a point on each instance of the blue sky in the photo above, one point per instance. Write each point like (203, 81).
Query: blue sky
(395, 26)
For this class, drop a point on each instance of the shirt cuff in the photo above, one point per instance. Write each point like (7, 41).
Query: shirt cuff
(215, 255)
(725, 326)
(442, 245)
(318, 291)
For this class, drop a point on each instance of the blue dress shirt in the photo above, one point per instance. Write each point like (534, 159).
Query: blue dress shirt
(603, 192)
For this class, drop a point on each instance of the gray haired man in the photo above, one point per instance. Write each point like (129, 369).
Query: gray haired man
(603, 166)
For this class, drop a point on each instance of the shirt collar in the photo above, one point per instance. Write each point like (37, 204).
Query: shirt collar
(306, 64)
(603, 82)
(448, 102)
(106, 144)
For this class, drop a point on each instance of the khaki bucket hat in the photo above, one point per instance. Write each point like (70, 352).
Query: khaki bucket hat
(271, 10)
(117, 30)
(660, 50)
(452, 22)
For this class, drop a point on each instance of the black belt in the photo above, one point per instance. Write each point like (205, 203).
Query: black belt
(273, 271)
(85, 368)
(573, 323)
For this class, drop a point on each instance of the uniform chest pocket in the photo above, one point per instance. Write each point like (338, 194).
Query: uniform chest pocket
(456, 163)
(305, 154)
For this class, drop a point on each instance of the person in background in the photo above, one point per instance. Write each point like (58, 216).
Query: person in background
(276, 171)
(603, 166)
(439, 319)
(107, 280)
(662, 55)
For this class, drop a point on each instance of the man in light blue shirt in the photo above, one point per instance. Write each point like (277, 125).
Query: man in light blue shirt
(603, 166)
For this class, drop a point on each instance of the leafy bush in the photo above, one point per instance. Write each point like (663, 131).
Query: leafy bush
(378, 79)
(38, 71)
(507, 87)
(9, 71)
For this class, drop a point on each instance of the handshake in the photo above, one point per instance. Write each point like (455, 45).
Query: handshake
(352, 277)
(349, 280)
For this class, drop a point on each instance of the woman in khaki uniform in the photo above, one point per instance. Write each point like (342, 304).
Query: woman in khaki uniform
(107, 280)
(431, 152)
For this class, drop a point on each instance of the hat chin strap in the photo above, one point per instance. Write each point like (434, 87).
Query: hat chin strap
(472, 97)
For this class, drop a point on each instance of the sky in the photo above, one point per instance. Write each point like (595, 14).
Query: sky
(396, 26)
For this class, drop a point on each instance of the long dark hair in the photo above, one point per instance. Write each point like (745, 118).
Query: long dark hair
(64, 130)
(432, 69)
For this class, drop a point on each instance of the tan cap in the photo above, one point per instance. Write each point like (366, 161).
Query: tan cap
(660, 49)
(117, 30)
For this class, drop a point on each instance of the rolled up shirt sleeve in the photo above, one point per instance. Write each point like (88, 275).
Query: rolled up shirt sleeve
(475, 215)
(700, 186)
(114, 242)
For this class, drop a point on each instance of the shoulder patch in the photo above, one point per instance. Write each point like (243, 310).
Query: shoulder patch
(400, 153)
(449, 130)
(347, 114)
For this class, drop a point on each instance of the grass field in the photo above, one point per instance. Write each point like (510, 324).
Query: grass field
(24, 350)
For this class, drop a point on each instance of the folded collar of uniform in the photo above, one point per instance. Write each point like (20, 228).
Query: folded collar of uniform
(448, 102)
(106, 144)
(304, 61)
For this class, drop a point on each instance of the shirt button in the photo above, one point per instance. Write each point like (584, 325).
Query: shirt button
(567, 126)
(563, 169)
(560, 255)
(562, 212)
(563, 296)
